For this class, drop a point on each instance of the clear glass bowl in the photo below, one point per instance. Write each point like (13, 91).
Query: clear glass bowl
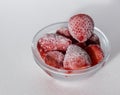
(69, 74)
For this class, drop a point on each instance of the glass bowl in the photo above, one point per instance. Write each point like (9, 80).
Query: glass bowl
(69, 74)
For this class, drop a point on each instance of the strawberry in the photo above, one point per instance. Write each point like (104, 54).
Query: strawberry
(94, 39)
(76, 58)
(53, 42)
(81, 27)
(41, 51)
(96, 54)
(54, 59)
(64, 32)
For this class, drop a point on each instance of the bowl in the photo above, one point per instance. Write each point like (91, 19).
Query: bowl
(69, 74)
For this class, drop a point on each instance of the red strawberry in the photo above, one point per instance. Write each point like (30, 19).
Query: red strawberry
(54, 59)
(54, 42)
(80, 27)
(41, 51)
(94, 39)
(64, 32)
(96, 54)
(76, 58)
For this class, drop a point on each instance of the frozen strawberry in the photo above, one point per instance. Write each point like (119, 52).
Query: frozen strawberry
(54, 42)
(96, 54)
(41, 51)
(81, 26)
(62, 43)
(76, 58)
(94, 39)
(54, 59)
(64, 32)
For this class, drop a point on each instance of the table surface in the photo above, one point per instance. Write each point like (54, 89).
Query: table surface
(19, 22)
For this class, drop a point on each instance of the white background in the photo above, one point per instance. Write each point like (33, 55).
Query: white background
(19, 22)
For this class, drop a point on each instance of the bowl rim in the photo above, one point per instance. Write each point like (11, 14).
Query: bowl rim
(62, 71)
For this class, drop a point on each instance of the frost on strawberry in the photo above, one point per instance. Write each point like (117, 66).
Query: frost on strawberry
(54, 59)
(64, 31)
(81, 27)
(76, 58)
(53, 42)
(41, 51)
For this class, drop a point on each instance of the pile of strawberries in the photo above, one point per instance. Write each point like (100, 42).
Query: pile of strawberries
(73, 47)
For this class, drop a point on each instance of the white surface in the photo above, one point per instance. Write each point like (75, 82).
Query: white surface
(21, 19)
